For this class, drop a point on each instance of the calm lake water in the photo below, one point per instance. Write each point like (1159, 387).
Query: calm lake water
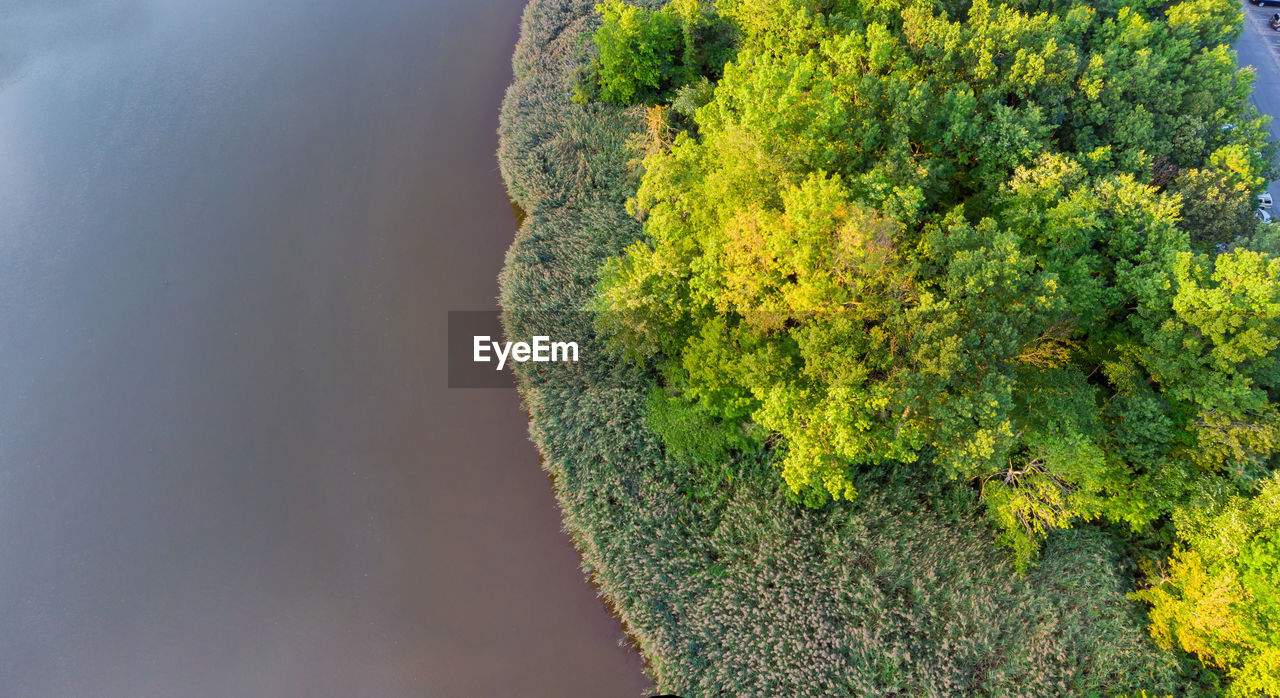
(229, 235)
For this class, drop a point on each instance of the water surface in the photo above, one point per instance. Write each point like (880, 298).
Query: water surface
(229, 235)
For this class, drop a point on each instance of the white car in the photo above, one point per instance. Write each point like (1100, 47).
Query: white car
(1263, 215)
(1264, 200)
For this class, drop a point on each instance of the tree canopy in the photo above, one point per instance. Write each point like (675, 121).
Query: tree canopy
(644, 54)
(725, 585)
(1220, 596)
(958, 235)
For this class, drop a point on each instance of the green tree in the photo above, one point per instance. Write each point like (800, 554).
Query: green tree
(636, 51)
(1216, 208)
(1220, 596)
(906, 234)
(643, 54)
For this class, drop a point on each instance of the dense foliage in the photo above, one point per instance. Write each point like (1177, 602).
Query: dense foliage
(954, 235)
(1220, 596)
(643, 54)
(727, 588)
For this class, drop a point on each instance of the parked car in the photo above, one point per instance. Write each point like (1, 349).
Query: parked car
(1264, 3)
(1262, 215)
(1275, 21)
(1264, 200)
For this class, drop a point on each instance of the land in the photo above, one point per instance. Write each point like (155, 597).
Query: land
(725, 583)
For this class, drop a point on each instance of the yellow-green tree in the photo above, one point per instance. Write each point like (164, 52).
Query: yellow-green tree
(918, 233)
(1220, 595)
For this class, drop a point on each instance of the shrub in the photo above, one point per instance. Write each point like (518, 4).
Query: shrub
(690, 435)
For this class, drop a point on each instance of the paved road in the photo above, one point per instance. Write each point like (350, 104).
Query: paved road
(1259, 47)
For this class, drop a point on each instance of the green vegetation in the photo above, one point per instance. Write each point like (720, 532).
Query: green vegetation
(907, 233)
(667, 474)
(1216, 206)
(1220, 597)
(637, 51)
(642, 54)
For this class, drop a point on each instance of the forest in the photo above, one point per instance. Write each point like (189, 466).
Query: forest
(932, 346)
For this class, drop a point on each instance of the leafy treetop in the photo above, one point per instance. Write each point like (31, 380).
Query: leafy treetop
(955, 234)
(1220, 597)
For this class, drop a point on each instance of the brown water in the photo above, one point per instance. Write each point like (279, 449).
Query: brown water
(229, 235)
